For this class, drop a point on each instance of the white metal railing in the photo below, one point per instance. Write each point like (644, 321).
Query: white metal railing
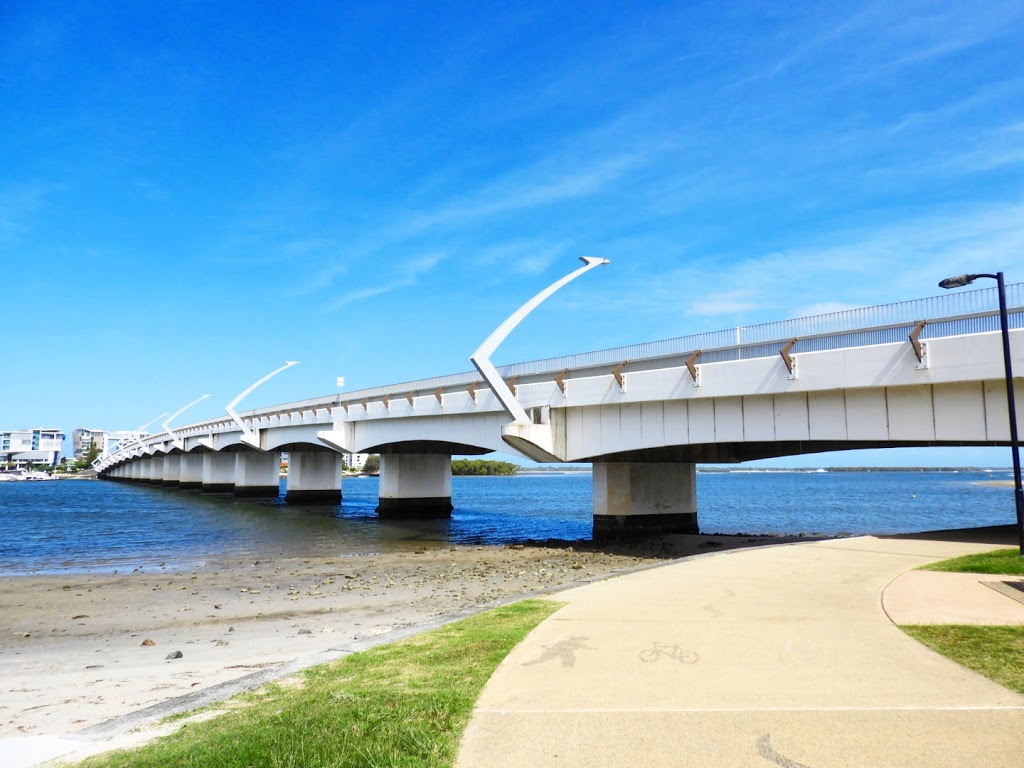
(951, 314)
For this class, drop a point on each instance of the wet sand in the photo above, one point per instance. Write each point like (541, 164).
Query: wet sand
(77, 651)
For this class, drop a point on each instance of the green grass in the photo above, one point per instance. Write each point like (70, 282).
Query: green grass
(995, 652)
(404, 704)
(1003, 561)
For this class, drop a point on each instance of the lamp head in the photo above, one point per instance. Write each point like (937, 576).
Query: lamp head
(588, 260)
(958, 282)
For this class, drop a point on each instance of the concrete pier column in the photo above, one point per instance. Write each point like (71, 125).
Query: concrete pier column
(156, 470)
(172, 470)
(218, 472)
(314, 477)
(190, 474)
(415, 485)
(133, 470)
(145, 468)
(638, 499)
(258, 473)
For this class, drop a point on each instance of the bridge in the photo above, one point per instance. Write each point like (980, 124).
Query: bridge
(927, 372)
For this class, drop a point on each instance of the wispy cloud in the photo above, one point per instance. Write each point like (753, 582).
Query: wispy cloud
(822, 308)
(19, 203)
(543, 184)
(878, 262)
(724, 302)
(405, 275)
(521, 257)
(548, 182)
(990, 150)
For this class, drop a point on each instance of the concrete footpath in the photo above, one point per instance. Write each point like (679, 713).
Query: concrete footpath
(779, 656)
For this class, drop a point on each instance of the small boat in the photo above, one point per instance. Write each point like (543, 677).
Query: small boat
(21, 474)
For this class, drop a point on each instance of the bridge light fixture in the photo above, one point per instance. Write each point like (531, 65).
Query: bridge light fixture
(960, 281)
(1018, 493)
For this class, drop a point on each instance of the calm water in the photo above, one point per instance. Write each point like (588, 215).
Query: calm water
(106, 526)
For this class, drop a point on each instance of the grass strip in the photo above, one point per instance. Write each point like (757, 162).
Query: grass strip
(995, 652)
(404, 704)
(1001, 561)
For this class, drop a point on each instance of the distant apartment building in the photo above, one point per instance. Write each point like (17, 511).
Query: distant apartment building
(21, 447)
(82, 440)
(356, 461)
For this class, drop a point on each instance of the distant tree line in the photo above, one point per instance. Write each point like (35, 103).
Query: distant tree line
(483, 467)
(459, 466)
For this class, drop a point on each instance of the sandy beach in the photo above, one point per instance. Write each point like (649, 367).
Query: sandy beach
(84, 651)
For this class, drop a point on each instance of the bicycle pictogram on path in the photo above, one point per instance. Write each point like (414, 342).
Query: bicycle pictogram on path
(674, 652)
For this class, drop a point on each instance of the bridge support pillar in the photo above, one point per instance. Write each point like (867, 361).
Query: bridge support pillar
(134, 470)
(218, 472)
(415, 485)
(191, 474)
(258, 474)
(638, 499)
(314, 477)
(172, 470)
(156, 470)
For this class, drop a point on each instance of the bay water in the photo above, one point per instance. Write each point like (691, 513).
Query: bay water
(102, 526)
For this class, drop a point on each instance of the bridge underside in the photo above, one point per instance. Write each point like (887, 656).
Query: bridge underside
(432, 447)
(735, 453)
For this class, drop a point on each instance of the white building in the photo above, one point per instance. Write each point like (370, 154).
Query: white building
(106, 441)
(82, 441)
(31, 446)
(356, 461)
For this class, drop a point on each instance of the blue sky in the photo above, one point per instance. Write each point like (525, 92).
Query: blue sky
(192, 192)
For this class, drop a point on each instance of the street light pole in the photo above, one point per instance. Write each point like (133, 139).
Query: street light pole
(1011, 405)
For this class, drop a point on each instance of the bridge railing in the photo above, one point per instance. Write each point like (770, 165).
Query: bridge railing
(951, 314)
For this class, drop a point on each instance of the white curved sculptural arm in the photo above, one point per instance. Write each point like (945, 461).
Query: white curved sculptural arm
(481, 358)
(248, 436)
(176, 414)
(140, 433)
(142, 429)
